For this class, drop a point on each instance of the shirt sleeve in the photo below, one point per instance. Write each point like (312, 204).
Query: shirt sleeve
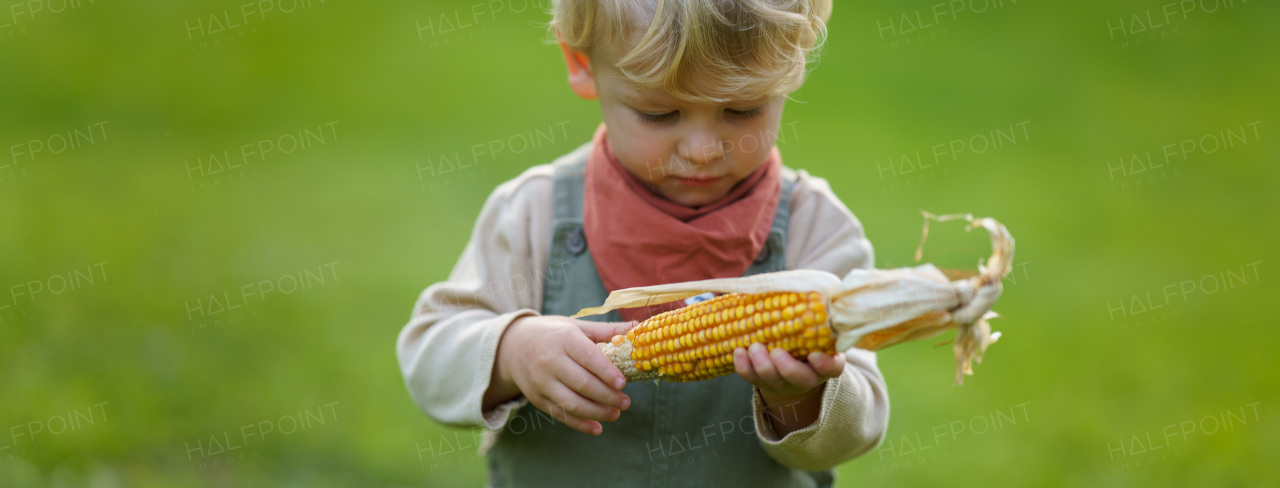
(823, 234)
(447, 350)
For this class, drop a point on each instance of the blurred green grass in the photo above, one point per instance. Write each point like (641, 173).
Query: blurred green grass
(362, 201)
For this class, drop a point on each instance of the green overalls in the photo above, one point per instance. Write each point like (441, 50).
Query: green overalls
(675, 434)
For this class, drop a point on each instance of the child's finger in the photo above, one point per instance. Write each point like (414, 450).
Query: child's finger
(588, 385)
(742, 365)
(604, 331)
(794, 371)
(829, 366)
(578, 406)
(764, 366)
(589, 356)
(589, 427)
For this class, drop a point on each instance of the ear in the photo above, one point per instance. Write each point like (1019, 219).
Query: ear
(581, 79)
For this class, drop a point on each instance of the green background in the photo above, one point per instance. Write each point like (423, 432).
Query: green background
(1087, 362)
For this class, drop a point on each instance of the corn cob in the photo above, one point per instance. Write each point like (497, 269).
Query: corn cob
(803, 310)
(696, 342)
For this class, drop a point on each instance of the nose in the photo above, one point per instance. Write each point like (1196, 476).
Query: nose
(701, 146)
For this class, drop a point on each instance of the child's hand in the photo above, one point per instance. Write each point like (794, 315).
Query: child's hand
(787, 383)
(556, 364)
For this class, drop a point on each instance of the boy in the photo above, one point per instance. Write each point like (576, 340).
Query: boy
(682, 181)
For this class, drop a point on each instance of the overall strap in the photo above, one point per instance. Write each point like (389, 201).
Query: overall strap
(571, 277)
(773, 256)
(567, 183)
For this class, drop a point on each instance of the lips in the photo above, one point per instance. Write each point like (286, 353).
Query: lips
(700, 180)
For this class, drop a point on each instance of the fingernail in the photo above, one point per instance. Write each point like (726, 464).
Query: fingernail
(619, 383)
(626, 403)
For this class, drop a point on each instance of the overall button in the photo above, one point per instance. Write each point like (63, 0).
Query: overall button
(576, 241)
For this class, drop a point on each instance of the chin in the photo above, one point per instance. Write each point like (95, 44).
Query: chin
(695, 199)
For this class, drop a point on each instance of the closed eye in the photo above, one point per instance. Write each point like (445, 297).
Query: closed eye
(744, 114)
(661, 118)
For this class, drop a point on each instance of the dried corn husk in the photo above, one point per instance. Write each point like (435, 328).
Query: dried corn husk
(871, 308)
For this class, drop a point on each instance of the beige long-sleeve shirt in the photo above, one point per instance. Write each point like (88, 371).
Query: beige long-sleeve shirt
(448, 348)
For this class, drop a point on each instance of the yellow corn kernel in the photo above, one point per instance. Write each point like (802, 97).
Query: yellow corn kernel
(697, 342)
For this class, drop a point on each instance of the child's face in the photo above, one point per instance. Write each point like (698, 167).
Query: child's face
(689, 153)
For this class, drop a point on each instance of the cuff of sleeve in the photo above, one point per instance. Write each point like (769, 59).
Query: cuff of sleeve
(770, 438)
(821, 445)
(496, 418)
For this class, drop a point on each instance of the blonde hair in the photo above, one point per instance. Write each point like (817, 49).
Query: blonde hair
(699, 50)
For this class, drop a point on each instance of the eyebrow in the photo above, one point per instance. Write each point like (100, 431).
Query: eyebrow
(632, 96)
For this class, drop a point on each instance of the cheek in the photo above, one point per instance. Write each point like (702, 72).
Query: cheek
(750, 147)
(640, 151)
(766, 128)
(754, 139)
